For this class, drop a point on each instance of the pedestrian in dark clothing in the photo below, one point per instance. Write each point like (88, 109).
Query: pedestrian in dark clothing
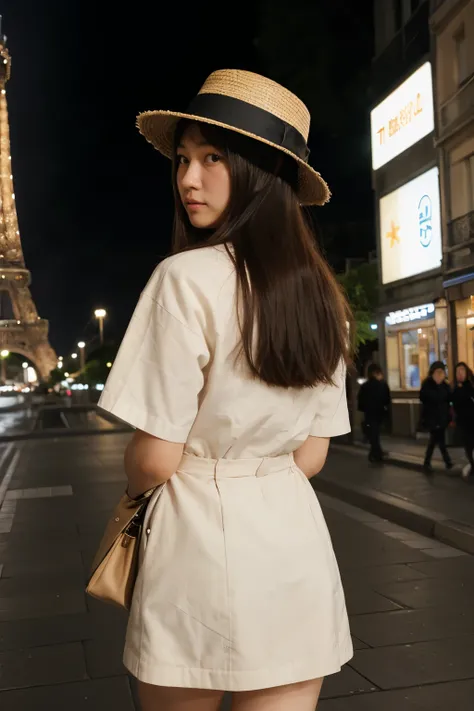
(374, 401)
(463, 403)
(435, 396)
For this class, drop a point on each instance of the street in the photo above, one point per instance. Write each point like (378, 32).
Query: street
(409, 597)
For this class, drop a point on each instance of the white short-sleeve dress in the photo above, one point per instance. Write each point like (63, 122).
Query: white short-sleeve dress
(238, 586)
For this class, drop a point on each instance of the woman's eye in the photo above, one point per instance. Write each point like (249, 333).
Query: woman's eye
(213, 158)
(181, 159)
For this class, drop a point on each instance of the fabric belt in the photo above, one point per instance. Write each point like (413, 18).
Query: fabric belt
(235, 468)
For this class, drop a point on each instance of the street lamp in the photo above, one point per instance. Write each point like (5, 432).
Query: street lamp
(25, 372)
(81, 345)
(4, 355)
(100, 314)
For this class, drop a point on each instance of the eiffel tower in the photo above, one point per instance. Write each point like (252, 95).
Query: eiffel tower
(21, 329)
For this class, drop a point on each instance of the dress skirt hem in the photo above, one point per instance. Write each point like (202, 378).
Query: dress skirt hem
(158, 674)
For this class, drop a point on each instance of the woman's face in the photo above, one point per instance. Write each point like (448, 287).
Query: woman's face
(203, 179)
(461, 375)
(439, 376)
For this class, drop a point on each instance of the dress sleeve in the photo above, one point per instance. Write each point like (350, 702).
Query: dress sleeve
(332, 414)
(158, 375)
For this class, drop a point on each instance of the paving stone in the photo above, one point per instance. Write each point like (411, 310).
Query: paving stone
(426, 544)
(42, 567)
(429, 592)
(17, 634)
(456, 568)
(384, 574)
(422, 663)
(58, 582)
(105, 614)
(408, 626)
(346, 682)
(30, 606)
(456, 695)
(26, 539)
(361, 600)
(37, 526)
(38, 552)
(445, 553)
(95, 695)
(41, 666)
(356, 643)
(104, 658)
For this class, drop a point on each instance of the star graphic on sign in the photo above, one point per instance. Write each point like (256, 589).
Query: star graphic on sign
(392, 235)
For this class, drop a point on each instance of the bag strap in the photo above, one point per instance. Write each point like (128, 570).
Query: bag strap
(143, 497)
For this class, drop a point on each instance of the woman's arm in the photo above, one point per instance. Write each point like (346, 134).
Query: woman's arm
(311, 456)
(150, 461)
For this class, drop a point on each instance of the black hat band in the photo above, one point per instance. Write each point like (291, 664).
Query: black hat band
(252, 119)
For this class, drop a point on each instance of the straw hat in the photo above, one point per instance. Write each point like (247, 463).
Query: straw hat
(254, 106)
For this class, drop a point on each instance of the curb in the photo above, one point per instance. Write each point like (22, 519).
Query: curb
(397, 510)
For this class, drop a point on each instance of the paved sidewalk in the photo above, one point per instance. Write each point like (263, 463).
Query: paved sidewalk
(437, 505)
(409, 596)
(410, 453)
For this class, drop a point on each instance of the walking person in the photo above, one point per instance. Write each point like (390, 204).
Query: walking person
(463, 403)
(374, 402)
(435, 396)
(233, 371)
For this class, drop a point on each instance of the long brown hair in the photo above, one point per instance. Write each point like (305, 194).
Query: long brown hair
(285, 287)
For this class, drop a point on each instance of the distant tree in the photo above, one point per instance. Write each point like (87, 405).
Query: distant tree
(55, 377)
(361, 286)
(95, 371)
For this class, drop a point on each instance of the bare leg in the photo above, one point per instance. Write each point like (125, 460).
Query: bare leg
(294, 697)
(162, 698)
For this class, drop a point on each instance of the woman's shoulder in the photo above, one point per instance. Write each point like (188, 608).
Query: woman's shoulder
(202, 271)
(191, 262)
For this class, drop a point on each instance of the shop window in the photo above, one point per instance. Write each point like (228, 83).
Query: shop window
(465, 336)
(393, 362)
(410, 354)
(462, 57)
(471, 181)
(462, 187)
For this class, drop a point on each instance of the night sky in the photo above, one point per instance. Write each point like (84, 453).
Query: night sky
(93, 198)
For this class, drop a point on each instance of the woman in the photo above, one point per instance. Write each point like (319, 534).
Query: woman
(463, 403)
(232, 371)
(435, 396)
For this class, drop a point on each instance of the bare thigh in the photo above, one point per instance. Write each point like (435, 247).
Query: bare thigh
(294, 697)
(162, 698)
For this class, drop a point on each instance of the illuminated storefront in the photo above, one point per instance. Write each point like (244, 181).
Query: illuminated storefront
(465, 330)
(412, 315)
(414, 338)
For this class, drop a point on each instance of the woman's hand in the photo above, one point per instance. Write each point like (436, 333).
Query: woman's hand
(311, 456)
(149, 462)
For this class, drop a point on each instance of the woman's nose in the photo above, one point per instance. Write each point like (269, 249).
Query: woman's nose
(192, 178)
